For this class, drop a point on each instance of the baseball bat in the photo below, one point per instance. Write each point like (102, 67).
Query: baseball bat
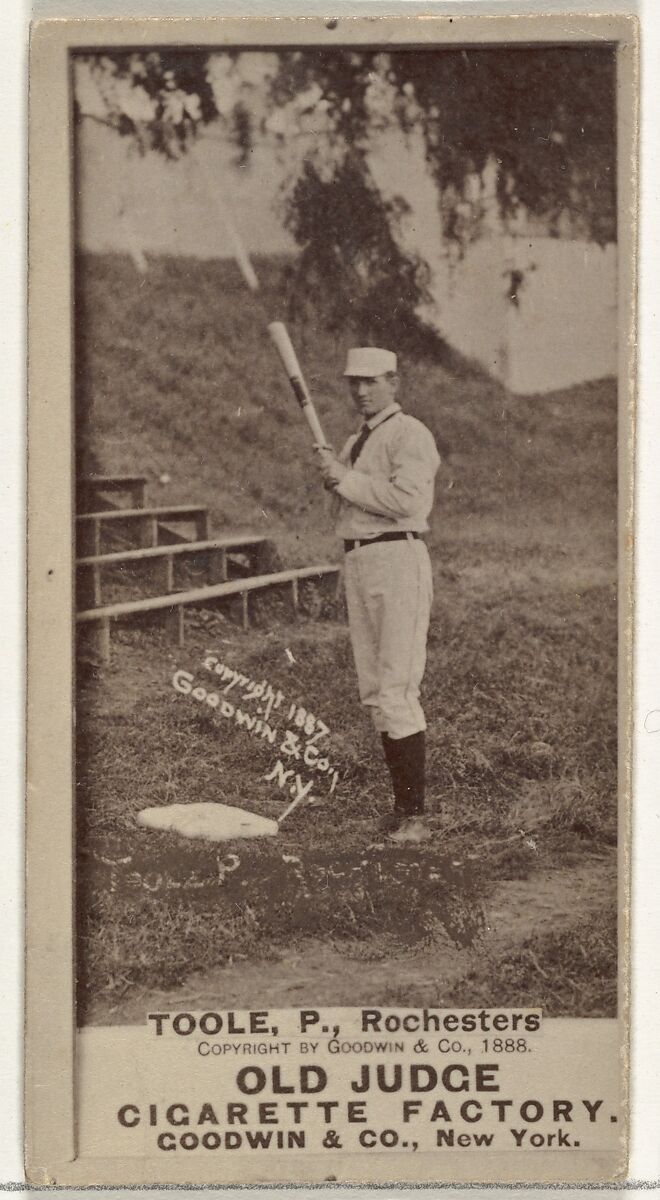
(282, 342)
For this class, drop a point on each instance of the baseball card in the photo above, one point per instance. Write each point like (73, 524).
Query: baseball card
(331, 413)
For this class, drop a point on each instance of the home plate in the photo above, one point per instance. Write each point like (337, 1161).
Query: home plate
(212, 822)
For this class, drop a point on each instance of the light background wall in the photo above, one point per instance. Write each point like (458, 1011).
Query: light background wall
(555, 327)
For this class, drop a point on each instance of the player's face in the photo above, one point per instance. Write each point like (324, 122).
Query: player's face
(372, 394)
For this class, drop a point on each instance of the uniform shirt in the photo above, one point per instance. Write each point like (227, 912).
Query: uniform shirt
(390, 486)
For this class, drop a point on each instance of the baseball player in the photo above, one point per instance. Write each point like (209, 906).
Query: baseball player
(383, 484)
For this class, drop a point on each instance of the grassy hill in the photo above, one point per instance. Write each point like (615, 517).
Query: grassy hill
(176, 376)
(179, 377)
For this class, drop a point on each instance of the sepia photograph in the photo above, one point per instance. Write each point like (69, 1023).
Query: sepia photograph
(346, 691)
(349, 444)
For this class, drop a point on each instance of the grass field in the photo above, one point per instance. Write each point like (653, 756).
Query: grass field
(176, 379)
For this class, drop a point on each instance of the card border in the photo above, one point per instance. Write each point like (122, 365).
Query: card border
(50, 1040)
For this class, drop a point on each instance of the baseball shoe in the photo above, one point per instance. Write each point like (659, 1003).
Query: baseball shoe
(412, 829)
(390, 822)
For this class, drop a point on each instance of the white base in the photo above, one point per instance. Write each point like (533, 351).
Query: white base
(212, 822)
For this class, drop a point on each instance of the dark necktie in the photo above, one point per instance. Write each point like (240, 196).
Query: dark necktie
(356, 448)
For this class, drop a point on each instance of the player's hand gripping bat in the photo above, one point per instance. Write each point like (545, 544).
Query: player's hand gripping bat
(282, 342)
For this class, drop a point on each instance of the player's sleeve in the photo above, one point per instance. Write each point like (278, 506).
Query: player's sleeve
(414, 461)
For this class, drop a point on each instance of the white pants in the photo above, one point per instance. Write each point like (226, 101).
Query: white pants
(389, 591)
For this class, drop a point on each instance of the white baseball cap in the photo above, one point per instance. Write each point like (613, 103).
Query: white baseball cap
(368, 362)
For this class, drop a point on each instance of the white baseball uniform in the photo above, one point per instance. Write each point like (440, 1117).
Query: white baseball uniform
(389, 491)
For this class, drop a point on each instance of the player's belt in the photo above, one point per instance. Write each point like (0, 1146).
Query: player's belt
(355, 543)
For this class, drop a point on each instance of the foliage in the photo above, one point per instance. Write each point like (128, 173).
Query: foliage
(171, 98)
(356, 272)
(543, 118)
(546, 115)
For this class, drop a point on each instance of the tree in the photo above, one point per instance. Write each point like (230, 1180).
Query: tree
(544, 116)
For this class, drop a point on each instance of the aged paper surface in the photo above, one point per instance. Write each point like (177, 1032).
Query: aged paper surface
(276, 934)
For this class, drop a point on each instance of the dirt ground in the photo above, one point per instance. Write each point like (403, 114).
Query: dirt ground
(348, 975)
